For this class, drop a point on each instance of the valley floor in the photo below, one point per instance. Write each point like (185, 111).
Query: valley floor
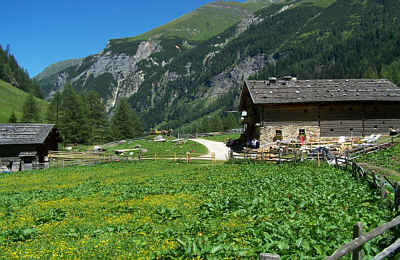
(168, 210)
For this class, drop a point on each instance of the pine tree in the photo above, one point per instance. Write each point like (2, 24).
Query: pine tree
(30, 111)
(124, 123)
(54, 108)
(13, 118)
(73, 120)
(215, 123)
(97, 116)
(229, 122)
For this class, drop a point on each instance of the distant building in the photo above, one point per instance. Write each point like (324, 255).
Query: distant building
(289, 108)
(24, 145)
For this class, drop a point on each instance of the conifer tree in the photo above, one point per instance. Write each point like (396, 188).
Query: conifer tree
(97, 117)
(54, 108)
(30, 111)
(215, 123)
(229, 122)
(73, 120)
(124, 123)
(13, 118)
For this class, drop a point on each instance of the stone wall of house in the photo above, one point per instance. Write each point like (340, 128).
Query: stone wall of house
(289, 132)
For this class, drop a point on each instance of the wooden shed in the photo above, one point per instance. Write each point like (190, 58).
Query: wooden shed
(289, 108)
(22, 145)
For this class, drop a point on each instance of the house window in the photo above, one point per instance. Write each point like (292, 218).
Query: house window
(278, 135)
(302, 135)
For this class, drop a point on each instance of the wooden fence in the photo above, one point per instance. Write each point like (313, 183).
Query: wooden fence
(69, 159)
(278, 155)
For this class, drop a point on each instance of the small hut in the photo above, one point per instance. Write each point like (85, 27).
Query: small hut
(23, 146)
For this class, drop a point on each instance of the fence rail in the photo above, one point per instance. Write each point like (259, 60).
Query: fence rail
(64, 159)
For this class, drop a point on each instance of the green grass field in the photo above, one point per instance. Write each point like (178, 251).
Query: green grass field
(222, 138)
(387, 160)
(166, 210)
(12, 100)
(163, 149)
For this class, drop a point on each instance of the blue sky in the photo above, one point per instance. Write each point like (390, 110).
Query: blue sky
(43, 32)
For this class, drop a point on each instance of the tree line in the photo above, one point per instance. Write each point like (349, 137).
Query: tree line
(12, 73)
(83, 118)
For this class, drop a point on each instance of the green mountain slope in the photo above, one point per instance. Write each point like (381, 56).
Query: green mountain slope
(12, 100)
(309, 39)
(173, 81)
(204, 22)
(57, 67)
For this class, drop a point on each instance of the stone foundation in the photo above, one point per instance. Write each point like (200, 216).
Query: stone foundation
(289, 133)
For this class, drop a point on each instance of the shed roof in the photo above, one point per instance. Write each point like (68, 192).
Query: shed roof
(325, 90)
(24, 133)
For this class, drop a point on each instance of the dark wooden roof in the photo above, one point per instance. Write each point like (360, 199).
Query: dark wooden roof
(24, 133)
(312, 91)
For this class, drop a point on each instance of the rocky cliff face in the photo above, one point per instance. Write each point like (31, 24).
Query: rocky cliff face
(120, 71)
(124, 77)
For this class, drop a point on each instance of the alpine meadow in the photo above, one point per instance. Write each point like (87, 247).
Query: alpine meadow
(244, 129)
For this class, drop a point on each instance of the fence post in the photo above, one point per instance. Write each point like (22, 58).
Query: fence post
(155, 156)
(63, 163)
(140, 155)
(374, 179)
(336, 162)
(213, 157)
(382, 186)
(357, 232)
(187, 157)
(279, 155)
(319, 161)
(397, 197)
(174, 157)
(269, 257)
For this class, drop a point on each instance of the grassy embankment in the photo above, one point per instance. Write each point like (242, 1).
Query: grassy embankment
(222, 138)
(385, 162)
(12, 100)
(176, 210)
(163, 149)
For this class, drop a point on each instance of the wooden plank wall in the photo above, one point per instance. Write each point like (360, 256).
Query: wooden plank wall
(14, 150)
(282, 113)
(336, 119)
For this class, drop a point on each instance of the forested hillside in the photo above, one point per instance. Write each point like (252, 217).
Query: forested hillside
(174, 82)
(12, 73)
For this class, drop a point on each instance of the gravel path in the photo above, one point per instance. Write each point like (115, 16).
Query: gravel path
(219, 148)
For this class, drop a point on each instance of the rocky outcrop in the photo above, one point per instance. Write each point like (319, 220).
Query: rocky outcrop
(127, 77)
(232, 78)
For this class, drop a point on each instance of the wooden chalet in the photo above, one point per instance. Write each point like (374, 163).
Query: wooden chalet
(22, 145)
(291, 109)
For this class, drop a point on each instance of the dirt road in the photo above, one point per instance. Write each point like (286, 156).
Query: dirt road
(219, 148)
